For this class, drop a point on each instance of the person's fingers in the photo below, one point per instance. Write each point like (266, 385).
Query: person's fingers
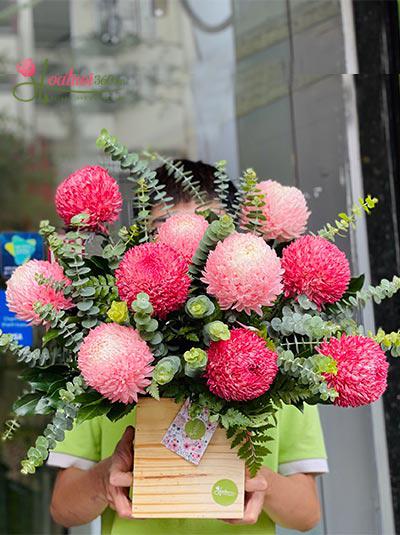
(121, 502)
(126, 439)
(119, 478)
(252, 510)
(256, 484)
(253, 507)
(122, 460)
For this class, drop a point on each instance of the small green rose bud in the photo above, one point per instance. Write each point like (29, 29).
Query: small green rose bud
(118, 312)
(165, 369)
(217, 330)
(195, 357)
(199, 307)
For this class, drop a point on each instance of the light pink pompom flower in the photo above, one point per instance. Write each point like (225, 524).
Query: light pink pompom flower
(92, 191)
(115, 361)
(241, 368)
(361, 369)
(244, 273)
(158, 270)
(316, 268)
(183, 232)
(23, 290)
(285, 210)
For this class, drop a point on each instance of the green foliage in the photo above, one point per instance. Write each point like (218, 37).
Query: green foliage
(296, 322)
(147, 186)
(195, 361)
(252, 200)
(199, 307)
(165, 370)
(154, 390)
(11, 426)
(215, 331)
(388, 341)
(385, 289)
(247, 425)
(55, 431)
(309, 371)
(31, 357)
(216, 231)
(147, 326)
(221, 185)
(184, 178)
(347, 221)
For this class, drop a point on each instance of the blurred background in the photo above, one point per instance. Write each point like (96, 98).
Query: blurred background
(304, 91)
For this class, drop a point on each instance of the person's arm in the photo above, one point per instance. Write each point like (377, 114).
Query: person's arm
(290, 501)
(79, 496)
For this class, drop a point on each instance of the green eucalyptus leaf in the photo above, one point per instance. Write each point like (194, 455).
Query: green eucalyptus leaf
(84, 306)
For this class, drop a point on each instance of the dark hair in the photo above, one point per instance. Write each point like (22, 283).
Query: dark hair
(201, 171)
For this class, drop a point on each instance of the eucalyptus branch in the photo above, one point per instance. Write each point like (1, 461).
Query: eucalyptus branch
(346, 221)
(185, 178)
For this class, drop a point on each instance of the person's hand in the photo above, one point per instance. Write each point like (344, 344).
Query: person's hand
(254, 496)
(118, 476)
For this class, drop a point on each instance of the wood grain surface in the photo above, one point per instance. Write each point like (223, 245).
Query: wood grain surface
(167, 486)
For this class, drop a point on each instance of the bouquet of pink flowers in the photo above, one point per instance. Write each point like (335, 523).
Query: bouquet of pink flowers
(233, 308)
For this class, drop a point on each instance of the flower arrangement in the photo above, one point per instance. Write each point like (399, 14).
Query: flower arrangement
(235, 309)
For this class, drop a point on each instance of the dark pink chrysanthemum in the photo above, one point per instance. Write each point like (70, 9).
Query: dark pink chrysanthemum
(244, 273)
(361, 369)
(158, 270)
(241, 368)
(315, 267)
(115, 361)
(285, 210)
(92, 191)
(23, 290)
(183, 232)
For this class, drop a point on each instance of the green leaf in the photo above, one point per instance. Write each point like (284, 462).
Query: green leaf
(89, 323)
(44, 379)
(356, 284)
(51, 334)
(87, 291)
(91, 411)
(84, 306)
(27, 404)
(119, 410)
(88, 398)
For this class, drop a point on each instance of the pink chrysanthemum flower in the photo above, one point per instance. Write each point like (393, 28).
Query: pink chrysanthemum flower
(316, 268)
(90, 190)
(285, 210)
(361, 369)
(241, 368)
(244, 273)
(158, 270)
(23, 290)
(183, 232)
(115, 361)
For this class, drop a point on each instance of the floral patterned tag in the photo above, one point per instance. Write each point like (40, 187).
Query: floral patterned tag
(189, 437)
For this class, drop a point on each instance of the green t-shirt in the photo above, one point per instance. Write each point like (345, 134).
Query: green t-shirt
(298, 446)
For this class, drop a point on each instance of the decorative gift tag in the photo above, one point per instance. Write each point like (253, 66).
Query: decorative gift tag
(189, 437)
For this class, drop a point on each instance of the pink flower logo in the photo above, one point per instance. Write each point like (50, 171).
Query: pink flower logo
(26, 67)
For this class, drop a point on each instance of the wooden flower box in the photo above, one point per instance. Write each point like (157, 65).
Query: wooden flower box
(167, 486)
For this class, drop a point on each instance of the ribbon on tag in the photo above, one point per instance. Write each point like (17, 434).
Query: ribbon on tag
(189, 437)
